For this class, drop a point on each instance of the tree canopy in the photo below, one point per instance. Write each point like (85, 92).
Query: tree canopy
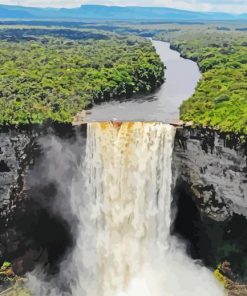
(45, 76)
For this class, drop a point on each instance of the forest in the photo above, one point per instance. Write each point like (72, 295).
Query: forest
(52, 70)
(220, 99)
(53, 73)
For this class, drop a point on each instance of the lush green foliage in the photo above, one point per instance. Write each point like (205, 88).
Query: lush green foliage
(47, 77)
(220, 99)
(52, 72)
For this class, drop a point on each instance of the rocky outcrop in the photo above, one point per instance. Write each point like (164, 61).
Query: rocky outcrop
(212, 168)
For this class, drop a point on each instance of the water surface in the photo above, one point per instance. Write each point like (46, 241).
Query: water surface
(182, 76)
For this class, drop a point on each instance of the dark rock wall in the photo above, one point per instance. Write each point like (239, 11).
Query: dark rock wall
(210, 197)
(16, 151)
(212, 168)
(29, 230)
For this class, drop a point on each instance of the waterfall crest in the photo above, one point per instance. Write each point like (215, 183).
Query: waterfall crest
(124, 245)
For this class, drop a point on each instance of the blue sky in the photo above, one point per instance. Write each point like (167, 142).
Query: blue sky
(234, 6)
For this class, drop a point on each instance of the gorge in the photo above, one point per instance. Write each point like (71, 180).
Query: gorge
(121, 195)
(48, 168)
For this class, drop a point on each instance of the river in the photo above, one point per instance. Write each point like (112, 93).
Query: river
(182, 76)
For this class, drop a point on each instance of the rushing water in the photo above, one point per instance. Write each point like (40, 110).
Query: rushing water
(124, 247)
(182, 76)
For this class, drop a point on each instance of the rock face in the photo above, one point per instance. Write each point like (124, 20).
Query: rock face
(28, 229)
(16, 150)
(212, 168)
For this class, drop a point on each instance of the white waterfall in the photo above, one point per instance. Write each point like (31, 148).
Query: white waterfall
(124, 245)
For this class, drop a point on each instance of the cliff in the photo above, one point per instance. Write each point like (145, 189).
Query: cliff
(29, 231)
(212, 168)
(209, 173)
(16, 151)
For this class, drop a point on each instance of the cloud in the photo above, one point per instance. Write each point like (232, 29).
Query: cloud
(233, 6)
(42, 3)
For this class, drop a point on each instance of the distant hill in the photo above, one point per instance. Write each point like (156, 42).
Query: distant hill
(100, 12)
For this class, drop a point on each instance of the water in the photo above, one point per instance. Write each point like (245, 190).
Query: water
(124, 246)
(182, 76)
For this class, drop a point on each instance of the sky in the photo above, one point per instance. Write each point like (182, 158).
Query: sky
(233, 6)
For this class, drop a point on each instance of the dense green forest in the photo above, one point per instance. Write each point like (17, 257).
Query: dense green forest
(52, 70)
(220, 99)
(53, 73)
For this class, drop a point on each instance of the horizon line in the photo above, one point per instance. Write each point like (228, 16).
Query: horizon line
(123, 6)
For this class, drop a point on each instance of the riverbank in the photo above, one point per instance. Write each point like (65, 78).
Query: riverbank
(163, 105)
(220, 98)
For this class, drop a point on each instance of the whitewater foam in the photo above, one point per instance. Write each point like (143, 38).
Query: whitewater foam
(124, 246)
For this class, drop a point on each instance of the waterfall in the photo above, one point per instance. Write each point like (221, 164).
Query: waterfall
(124, 246)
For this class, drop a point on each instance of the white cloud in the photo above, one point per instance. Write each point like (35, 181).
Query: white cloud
(40, 3)
(233, 6)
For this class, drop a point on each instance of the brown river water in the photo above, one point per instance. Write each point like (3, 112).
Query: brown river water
(182, 76)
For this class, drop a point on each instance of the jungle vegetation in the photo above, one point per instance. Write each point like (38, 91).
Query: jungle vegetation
(53, 73)
(51, 70)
